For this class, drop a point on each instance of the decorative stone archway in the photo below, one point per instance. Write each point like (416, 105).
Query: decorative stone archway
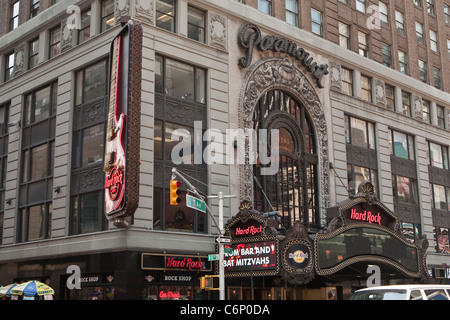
(280, 73)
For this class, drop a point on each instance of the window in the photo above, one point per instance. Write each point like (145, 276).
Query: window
(361, 6)
(404, 189)
(182, 87)
(316, 21)
(292, 12)
(55, 42)
(363, 44)
(196, 24)
(401, 145)
(426, 111)
(383, 13)
(265, 6)
(359, 132)
(403, 62)
(411, 231)
(437, 78)
(438, 155)
(366, 88)
(399, 22)
(440, 116)
(386, 55)
(418, 3)
(423, 73)
(448, 48)
(107, 15)
(85, 32)
(88, 136)
(440, 196)
(180, 80)
(442, 239)
(390, 97)
(14, 15)
(37, 162)
(344, 35)
(447, 13)
(347, 81)
(419, 33)
(90, 83)
(357, 175)
(433, 41)
(9, 66)
(293, 190)
(430, 7)
(165, 14)
(33, 51)
(87, 213)
(34, 8)
(4, 120)
(406, 102)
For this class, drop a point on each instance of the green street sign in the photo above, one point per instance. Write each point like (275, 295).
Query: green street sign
(213, 257)
(228, 250)
(195, 203)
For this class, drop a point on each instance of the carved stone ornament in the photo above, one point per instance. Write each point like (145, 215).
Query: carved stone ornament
(145, 10)
(218, 31)
(380, 93)
(417, 111)
(122, 9)
(280, 73)
(335, 76)
(19, 59)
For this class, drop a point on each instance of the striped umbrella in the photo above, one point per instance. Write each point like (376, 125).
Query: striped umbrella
(6, 290)
(32, 288)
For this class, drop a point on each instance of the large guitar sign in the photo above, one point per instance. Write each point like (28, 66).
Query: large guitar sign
(121, 161)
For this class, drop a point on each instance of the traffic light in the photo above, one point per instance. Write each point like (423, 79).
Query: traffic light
(175, 192)
(207, 282)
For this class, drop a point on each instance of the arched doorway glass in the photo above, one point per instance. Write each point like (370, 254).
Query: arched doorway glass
(293, 190)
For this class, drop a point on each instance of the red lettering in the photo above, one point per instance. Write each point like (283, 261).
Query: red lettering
(365, 216)
(169, 295)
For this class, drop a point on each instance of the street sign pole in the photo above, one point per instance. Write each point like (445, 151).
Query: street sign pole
(219, 225)
(221, 196)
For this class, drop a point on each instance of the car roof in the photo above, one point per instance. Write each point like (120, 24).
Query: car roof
(407, 287)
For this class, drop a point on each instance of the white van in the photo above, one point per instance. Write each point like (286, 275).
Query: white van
(404, 292)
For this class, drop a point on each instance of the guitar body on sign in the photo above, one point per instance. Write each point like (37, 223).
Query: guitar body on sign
(115, 158)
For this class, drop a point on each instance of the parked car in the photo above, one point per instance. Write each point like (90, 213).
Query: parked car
(404, 292)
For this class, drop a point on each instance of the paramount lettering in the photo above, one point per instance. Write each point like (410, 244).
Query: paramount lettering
(250, 36)
(365, 216)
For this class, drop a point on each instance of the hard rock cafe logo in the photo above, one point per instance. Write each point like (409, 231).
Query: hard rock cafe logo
(114, 183)
(298, 256)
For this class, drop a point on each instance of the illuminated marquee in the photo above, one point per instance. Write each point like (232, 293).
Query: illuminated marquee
(121, 162)
(254, 245)
(255, 256)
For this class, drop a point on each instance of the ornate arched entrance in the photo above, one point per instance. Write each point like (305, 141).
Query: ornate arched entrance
(278, 78)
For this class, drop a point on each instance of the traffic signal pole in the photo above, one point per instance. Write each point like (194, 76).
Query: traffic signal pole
(219, 226)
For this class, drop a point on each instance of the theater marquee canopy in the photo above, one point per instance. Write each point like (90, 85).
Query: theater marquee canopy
(362, 232)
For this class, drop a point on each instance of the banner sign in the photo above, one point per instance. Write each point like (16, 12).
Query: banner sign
(122, 147)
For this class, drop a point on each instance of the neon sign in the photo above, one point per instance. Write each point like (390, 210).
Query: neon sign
(184, 263)
(366, 216)
(169, 295)
(251, 230)
(122, 146)
(251, 256)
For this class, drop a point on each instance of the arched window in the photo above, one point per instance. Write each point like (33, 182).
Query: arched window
(293, 190)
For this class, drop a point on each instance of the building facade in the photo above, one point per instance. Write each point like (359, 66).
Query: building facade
(358, 90)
